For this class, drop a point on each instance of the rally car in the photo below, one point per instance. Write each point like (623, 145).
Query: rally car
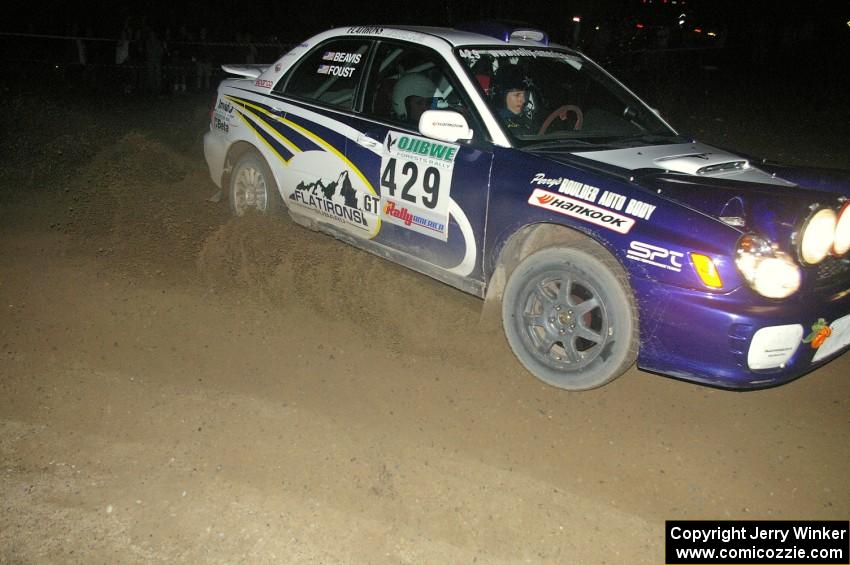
(520, 171)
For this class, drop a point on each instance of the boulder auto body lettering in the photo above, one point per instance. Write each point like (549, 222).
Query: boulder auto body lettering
(590, 193)
(416, 176)
(581, 210)
(654, 255)
(579, 190)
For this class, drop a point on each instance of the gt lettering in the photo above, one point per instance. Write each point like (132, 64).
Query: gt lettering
(372, 204)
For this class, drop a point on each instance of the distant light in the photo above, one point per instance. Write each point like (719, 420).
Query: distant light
(681, 23)
(639, 26)
(576, 19)
(712, 34)
(597, 28)
(697, 30)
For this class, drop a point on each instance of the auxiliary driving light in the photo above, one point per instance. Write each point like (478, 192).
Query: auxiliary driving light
(817, 236)
(842, 231)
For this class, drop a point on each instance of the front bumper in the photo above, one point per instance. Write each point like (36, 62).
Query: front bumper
(736, 340)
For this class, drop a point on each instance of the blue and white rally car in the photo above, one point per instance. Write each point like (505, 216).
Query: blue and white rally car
(521, 172)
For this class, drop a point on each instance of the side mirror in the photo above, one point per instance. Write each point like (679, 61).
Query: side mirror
(444, 125)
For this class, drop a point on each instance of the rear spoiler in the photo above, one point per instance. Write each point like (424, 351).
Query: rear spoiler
(250, 71)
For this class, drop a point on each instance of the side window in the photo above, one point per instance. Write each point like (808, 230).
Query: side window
(406, 80)
(330, 73)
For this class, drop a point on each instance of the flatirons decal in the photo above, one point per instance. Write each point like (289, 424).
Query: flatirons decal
(321, 197)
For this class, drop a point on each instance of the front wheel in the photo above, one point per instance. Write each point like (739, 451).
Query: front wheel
(252, 186)
(569, 316)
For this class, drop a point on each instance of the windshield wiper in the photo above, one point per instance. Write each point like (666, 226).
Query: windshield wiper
(561, 144)
(647, 139)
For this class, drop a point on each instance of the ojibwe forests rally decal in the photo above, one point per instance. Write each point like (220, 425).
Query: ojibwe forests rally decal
(416, 180)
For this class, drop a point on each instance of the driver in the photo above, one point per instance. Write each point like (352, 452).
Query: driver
(511, 91)
(412, 95)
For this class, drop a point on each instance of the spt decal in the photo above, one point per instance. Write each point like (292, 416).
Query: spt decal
(655, 255)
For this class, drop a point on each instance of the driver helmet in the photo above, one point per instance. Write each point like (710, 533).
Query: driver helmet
(413, 84)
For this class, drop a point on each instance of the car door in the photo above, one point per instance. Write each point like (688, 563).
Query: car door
(313, 112)
(431, 196)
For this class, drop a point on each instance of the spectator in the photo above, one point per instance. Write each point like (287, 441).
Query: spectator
(153, 61)
(203, 62)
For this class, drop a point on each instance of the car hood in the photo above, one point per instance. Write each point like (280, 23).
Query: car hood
(770, 200)
(687, 158)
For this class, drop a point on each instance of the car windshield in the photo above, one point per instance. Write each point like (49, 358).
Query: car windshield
(548, 99)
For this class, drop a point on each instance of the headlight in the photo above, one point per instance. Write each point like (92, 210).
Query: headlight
(842, 232)
(767, 270)
(817, 236)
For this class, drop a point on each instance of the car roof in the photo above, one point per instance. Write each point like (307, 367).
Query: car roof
(456, 37)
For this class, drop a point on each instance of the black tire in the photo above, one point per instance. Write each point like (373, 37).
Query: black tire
(570, 317)
(252, 187)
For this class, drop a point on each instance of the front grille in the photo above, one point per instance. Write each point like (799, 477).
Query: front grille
(833, 271)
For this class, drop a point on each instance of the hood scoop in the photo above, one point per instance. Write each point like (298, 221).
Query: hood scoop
(703, 164)
(696, 159)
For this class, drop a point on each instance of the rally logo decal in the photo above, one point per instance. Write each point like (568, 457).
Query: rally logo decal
(581, 210)
(416, 180)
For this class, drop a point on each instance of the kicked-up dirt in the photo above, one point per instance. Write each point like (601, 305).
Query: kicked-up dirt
(177, 385)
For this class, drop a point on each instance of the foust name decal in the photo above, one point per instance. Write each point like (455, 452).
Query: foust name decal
(335, 70)
(581, 210)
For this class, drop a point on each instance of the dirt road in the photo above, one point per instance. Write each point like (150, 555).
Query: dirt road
(176, 385)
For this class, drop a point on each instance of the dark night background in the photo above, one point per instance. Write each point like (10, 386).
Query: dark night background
(788, 38)
(724, 60)
(177, 385)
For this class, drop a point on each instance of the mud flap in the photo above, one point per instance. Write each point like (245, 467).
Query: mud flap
(490, 319)
(217, 197)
